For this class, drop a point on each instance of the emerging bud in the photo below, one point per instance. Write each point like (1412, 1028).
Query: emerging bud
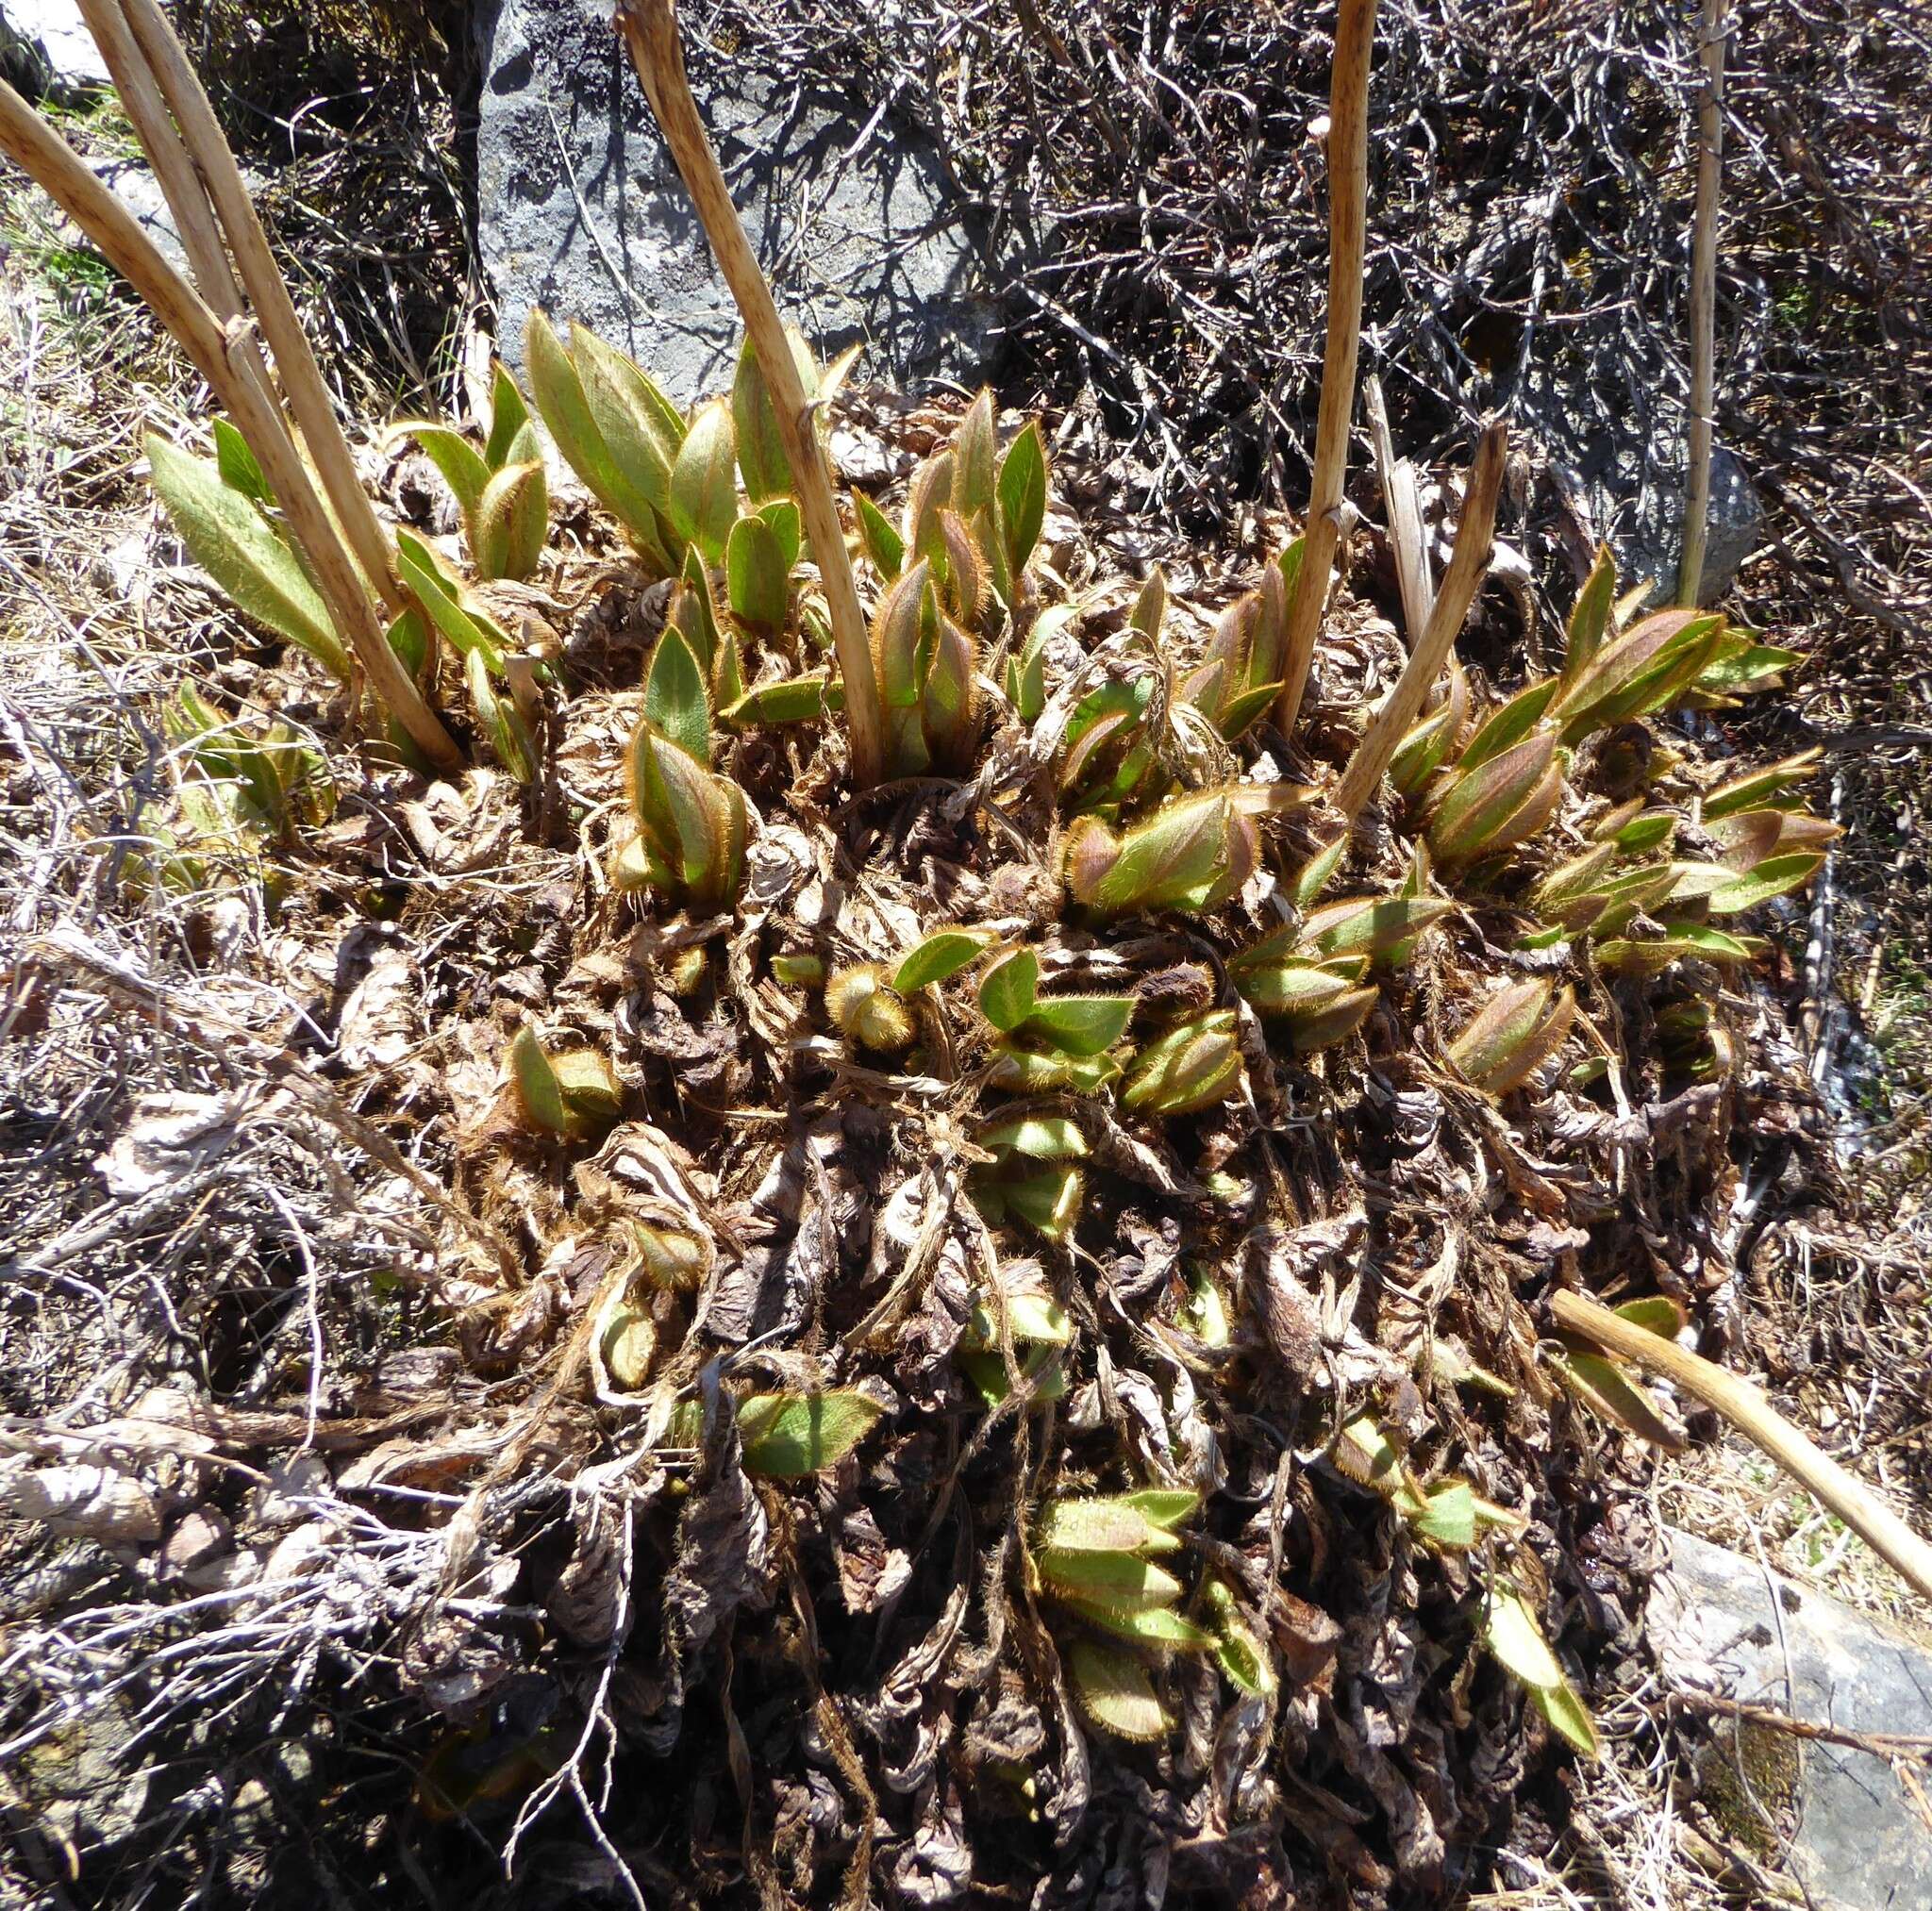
(1189, 1069)
(1511, 1036)
(671, 1257)
(1648, 668)
(1498, 804)
(511, 520)
(1429, 744)
(1192, 854)
(568, 1095)
(692, 827)
(865, 1008)
(1032, 1072)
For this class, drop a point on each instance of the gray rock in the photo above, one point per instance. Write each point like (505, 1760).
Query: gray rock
(1639, 503)
(580, 210)
(136, 187)
(69, 61)
(1858, 1844)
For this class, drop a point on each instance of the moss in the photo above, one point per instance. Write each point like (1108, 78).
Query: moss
(1749, 1781)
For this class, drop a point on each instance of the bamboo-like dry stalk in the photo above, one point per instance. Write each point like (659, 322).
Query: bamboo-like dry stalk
(1468, 563)
(1348, 192)
(1748, 1409)
(268, 293)
(32, 143)
(650, 30)
(1404, 507)
(1710, 147)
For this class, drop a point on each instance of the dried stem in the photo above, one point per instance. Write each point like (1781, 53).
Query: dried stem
(1404, 509)
(275, 311)
(1710, 143)
(27, 138)
(650, 29)
(1468, 562)
(1348, 192)
(1748, 1409)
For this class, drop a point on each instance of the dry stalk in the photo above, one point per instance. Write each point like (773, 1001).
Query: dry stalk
(1348, 192)
(1748, 1409)
(1468, 563)
(27, 138)
(1403, 504)
(275, 311)
(1710, 143)
(650, 30)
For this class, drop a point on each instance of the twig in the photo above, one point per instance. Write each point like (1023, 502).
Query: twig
(27, 138)
(650, 29)
(1879, 1744)
(1710, 137)
(1468, 562)
(1348, 192)
(1748, 1409)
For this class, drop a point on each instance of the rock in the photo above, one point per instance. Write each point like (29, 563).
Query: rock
(1857, 1843)
(136, 187)
(68, 63)
(581, 211)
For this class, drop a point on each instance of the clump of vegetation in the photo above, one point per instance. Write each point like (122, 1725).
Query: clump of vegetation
(1225, 1128)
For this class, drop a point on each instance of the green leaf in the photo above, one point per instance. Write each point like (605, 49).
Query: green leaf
(1008, 994)
(755, 576)
(792, 700)
(754, 420)
(675, 702)
(1511, 1633)
(883, 544)
(511, 520)
(500, 720)
(781, 514)
(1114, 1692)
(1116, 1523)
(1772, 877)
(1022, 495)
(1384, 928)
(565, 406)
(1445, 1516)
(1123, 1580)
(1680, 942)
(510, 418)
(1570, 1717)
(233, 543)
(1603, 1384)
(639, 427)
(1590, 616)
(418, 570)
(1042, 1138)
(703, 482)
(1156, 1626)
(1048, 1202)
(236, 461)
(1655, 1314)
(538, 1090)
(1508, 725)
(787, 1435)
(1080, 1025)
(945, 953)
(1032, 1318)
(463, 468)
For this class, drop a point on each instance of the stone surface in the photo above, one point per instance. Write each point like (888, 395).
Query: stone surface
(1860, 1845)
(72, 60)
(580, 210)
